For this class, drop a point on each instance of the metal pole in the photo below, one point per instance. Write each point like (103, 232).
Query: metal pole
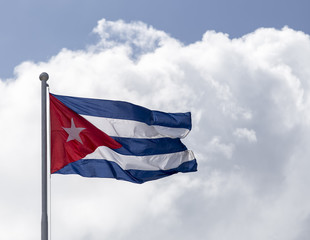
(44, 220)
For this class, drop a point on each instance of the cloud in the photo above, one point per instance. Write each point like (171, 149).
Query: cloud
(249, 99)
(250, 135)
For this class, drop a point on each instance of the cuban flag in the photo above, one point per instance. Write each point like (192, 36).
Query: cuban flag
(115, 139)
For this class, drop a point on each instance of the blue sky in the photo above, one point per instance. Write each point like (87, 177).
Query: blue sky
(36, 30)
(233, 64)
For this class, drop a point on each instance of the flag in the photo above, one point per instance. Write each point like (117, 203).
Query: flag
(116, 139)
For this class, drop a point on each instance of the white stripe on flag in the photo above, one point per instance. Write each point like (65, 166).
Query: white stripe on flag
(150, 162)
(134, 129)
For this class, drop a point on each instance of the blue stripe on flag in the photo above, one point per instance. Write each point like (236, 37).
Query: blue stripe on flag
(106, 169)
(125, 110)
(143, 147)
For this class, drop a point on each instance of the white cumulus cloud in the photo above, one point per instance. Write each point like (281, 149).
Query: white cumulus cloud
(250, 101)
(250, 135)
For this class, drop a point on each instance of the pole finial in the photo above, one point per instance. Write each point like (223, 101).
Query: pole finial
(44, 76)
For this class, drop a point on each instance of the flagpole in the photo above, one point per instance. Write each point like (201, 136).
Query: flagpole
(44, 219)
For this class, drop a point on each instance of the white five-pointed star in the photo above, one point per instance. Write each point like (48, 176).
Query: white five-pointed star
(74, 132)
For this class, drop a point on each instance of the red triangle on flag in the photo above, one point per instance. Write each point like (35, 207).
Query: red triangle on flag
(72, 136)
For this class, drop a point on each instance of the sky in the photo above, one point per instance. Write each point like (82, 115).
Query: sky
(240, 67)
(36, 30)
